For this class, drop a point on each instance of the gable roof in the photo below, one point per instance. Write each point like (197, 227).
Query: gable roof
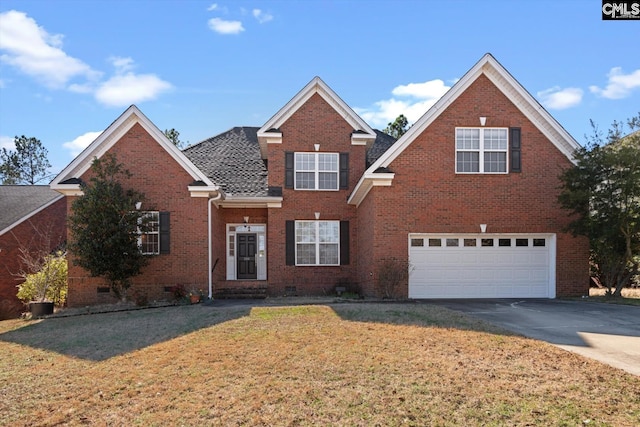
(270, 133)
(67, 180)
(507, 84)
(233, 160)
(21, 202)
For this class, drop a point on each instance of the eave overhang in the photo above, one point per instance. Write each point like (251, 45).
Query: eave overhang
(230, 201)
(367, 182)
(67, 189)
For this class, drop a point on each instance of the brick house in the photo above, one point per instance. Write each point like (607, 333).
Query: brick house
(31, 217)
(315, 198)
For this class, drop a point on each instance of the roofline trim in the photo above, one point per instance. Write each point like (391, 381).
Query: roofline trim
(250, 202)
(113, 133)
(316, 85)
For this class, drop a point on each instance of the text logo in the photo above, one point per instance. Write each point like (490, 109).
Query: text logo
(620, 9)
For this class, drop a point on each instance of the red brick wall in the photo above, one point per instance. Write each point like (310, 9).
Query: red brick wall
(428, 196)
(51, 220)
(316, 122)
(164, 183)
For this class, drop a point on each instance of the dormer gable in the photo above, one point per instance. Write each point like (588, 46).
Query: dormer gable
(378, 173)
(270, 132)
(67, 182)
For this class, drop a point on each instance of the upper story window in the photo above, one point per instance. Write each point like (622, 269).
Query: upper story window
(481, 150)
(316, 171)
(149, 240)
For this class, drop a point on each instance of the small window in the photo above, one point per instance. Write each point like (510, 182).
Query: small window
(486, 242)
(232, 242)
(149, 229)
(504, 242)
(435, 242)
(470, 242)
(522, 242)
(539, 242)
(452, 242)
(417, 242)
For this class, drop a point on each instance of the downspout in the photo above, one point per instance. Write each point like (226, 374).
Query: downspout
(210, 234)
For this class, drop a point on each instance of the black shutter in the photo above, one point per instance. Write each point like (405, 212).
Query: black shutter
(288, 169)
(516, 150)
(290, 242)
(165, 241)
(344, 171)
(344, 243)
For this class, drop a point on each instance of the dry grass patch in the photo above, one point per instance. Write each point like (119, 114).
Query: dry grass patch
(630, 296)
(344, 364)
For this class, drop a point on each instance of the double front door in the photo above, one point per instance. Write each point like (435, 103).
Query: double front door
(246, 258)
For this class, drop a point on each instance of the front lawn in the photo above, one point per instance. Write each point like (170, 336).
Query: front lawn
(355, 364)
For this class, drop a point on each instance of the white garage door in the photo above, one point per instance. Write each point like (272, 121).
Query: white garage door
(481, 266)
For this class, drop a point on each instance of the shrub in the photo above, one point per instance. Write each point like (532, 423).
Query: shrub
(47, 284)
(392, 274)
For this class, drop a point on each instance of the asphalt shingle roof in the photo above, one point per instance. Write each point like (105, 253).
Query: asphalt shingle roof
(18, 201)
(379, 146)
(232, 160)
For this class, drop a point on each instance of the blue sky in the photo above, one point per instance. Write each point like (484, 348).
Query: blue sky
(70, 68)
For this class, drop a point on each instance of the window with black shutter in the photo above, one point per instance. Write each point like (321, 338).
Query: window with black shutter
(344, 171)
(165, 241)
(515, 149)
(288, 169)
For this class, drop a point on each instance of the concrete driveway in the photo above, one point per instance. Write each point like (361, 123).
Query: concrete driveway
(605, 332)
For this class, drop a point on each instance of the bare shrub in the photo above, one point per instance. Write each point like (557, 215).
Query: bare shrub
(392, 275)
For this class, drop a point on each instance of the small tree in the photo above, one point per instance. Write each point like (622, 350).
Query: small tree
(603, 191)
(174, 136)
(398, 127)
(49, 283)
(28, 164)
(105, 226)
(43, 267)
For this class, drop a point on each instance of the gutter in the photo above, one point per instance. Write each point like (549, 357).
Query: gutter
(209, 243)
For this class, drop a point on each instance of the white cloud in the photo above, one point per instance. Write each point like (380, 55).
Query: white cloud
(32, 50)
(80, 143)
(35, 52)
(126, 89)
(221, 26)
(121, 64)
(560, 99)
(214, 6)
(421, 96)
(261, 16)
(7, 142)
(619, 85)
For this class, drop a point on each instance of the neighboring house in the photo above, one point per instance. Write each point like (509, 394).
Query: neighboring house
(32, 217)
(315, 198)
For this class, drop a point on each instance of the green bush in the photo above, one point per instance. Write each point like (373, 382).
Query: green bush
(48, 284)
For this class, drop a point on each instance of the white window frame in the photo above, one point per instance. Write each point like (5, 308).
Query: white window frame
(155, 231)
(317, 243)
(316, 171)
(482, 150)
